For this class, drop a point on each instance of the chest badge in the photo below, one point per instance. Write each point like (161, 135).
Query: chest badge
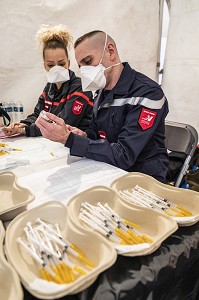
(102, 134)
(147, 118)
(77, 107)
(47, 105)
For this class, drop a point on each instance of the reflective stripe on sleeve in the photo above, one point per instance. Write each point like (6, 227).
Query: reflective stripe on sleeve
(152, 104)
(79, 94)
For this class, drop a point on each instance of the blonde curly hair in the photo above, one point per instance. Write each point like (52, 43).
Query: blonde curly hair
(54, 37)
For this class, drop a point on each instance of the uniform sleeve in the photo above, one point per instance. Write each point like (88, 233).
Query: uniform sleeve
(32, 130)
(92, 131)
(130, 143)
(78, 107)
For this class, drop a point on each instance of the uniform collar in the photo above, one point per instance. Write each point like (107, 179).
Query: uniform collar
(125, 81)
(123, 85)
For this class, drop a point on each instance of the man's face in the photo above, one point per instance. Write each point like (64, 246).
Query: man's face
(89, 54)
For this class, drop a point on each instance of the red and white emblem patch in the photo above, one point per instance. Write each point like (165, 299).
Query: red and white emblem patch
(77, 107)
(102, 134)
(147, 118)
(47, 106)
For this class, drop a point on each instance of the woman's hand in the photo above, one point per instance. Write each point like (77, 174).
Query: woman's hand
(14, 128)
(17, 124)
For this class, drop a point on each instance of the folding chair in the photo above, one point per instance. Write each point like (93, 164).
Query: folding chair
(181, 139)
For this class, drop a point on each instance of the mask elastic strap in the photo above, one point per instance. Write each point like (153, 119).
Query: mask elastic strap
(113, 66)
(103, 49)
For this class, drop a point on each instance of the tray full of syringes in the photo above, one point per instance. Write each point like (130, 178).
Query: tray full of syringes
(132, 231)
(53, 257)
(139, 189)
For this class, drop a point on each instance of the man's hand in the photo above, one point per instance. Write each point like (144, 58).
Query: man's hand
(76, 131)
(56, 131)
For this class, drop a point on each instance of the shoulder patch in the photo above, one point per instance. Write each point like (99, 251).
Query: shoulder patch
(147, 118)
(77, 107)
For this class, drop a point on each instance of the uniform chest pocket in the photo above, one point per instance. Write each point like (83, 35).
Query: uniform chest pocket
(117, 119)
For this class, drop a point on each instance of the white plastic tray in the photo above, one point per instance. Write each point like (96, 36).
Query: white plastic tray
(99, 251)
(153, 224)
(185, 198)
(9, 280)
(13, 197)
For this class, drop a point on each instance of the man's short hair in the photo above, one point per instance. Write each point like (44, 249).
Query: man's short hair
(85, 36)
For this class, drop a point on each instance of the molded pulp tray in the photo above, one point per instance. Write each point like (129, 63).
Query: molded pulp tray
(13, 197)
(154, 224)
(9, 280)
(185, 198)
(97, 250)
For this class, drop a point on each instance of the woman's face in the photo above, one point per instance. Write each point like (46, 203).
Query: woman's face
(55, 57)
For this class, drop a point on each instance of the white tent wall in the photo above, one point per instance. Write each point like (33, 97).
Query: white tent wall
(181, 67)
(135, 26)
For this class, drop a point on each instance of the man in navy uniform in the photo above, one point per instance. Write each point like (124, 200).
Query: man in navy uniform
(128, 124)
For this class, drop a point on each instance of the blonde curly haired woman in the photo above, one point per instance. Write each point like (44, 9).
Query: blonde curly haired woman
(62, 95)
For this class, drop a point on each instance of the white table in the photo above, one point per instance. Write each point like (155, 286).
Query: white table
(58, 176)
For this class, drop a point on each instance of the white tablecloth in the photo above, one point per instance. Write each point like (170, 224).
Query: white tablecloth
(51, 173)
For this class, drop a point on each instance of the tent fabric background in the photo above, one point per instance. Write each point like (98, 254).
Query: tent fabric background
(135, 26)
(181, 68)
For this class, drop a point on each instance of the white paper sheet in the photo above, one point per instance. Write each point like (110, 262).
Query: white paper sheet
(63, 182)
(33, 150)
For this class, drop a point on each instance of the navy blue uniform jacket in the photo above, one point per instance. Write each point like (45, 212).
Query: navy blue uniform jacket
(69, 103)
(128, 126)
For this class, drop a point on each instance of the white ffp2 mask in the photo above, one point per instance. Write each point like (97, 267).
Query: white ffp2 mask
(58, 74)
(92, 77)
